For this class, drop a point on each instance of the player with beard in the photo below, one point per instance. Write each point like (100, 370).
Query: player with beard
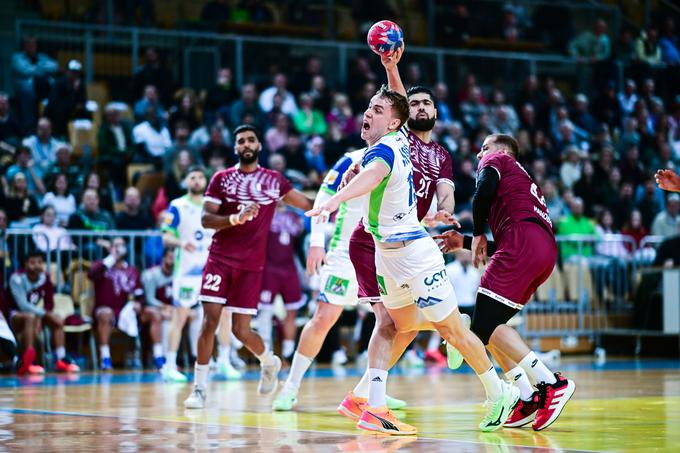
(239, 205)
(432, 173)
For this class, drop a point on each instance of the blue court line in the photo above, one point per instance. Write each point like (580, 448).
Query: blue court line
(149, 377)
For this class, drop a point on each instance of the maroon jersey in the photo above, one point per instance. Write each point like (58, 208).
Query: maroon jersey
(286, 226)
(244, 246)
(114, 286)
(518, 197)
(431, 166)
(24, 293)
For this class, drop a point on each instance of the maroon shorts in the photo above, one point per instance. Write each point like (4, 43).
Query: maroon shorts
(525, 257)
(362, 255)
(237, 289)
(285, 282)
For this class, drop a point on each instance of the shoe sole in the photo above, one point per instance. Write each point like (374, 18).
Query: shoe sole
(285, 408)
(379, 429)
(571, 388)
(523, 422)
(396, 405)
(342, 410)
(509, 409)
(193, 406)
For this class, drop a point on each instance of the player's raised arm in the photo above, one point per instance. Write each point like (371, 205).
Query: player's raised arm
(210, 218)
(298, 200)
(390, 63)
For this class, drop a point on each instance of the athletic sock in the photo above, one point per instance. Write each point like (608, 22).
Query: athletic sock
(434, 342)
(377, 387)
(519, 377)
(157, 350)
(297, 371)
(194, 333)
(60, 352)
(361, 390)
(537, 369)
(264, 326)
(266, 358)
(201, 375)
(223, 355)
(492, 384)
(165, 333)
(104, 351)
(171, 360)
(287, 348)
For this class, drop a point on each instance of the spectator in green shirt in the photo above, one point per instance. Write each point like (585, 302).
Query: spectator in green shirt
(307, 120)
(576, 224)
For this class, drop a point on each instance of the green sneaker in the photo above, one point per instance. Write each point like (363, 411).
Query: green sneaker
(499, 411)
(229, 372)
(395, 404)
(454, 359)
(284, 401)
(172, 375)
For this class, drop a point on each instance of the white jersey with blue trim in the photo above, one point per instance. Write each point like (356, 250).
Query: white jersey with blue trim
(390, 212)
(183, 219)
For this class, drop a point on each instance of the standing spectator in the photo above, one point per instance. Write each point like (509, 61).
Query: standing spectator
(152, 139)
(153, 73)
(67, 99)
(247, 105)
(666, 223)
(133, 217)
(115, 145)
(31, 71)
(186, 112)
(151, 100)
(20, 204)
(59, 198)
(89, 216)
(32, 302)
(220, 96)
(42, 145)
(308, 120)
(277, 136)
(280, 83)
(26, 166)
(10, 129)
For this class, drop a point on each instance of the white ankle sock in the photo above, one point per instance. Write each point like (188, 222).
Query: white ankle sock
(492, 384)
(60, 352)
(377, 387)
(537, 369)
(104, 351)
(287, 347)
(298, 369)
(171, 360)
(361, 390)
(519, 377)
(201, 375)
(157, 350)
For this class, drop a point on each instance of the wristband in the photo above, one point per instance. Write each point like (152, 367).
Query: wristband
(467, 242)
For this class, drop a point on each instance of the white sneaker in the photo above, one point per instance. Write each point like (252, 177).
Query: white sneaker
(285, 400)
(172, 375)
(228, 371)
(269, 377)
(339, 357)
(196, 400)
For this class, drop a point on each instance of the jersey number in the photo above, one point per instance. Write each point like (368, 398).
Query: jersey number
(212, 282)
(423, 189)
(534, 192)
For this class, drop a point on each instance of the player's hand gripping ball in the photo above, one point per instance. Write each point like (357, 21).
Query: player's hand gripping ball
(385, 37)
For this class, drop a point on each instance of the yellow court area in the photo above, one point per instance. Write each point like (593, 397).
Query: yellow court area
(620, 406)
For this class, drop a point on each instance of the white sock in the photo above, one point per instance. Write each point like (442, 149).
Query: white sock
(266, 358)
(519, 377)
(165, 334)
(537, 369)
(171, 360)
(297, 371)
(377, 387)
(287, 348)
(104, 351)
(361, 390)
(60, 352)
(492, 384)
(201, 375)
(434, 342)
(235, 342)
(223, 355)
(264, 326)
(194, 333)
(157, 350)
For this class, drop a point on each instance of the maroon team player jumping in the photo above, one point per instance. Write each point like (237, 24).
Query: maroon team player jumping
(239, 204)
(524, 257)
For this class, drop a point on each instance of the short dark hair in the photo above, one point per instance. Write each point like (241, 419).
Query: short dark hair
(167, 250)
(195, 168)
(34, 253)
(398, 101)
(245, 128)
(508, 141)
(420, 89)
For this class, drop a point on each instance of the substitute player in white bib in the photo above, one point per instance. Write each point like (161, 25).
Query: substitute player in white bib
(338, 282)
(182, 229)
(411, 272)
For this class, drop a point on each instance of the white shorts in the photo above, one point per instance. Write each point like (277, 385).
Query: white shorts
(338, 282)
(415, 274)
(185, 290)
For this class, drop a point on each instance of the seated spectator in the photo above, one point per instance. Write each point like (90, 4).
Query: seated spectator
(315, 156)
(570, 171)
(634, 228)
(670, 53)
(93, 181)
(277, 136)
(466, 183)
(152, 140)
(441, 94)
(320, 94)
(280, 83)
(48, 236)
(307, 120)
(666, 222)
(582, 117)
(647, 50)
(628, 97)
(624, 204)
(303, 80)
(588, 189)
(155, 74)
(59, 198)
(32, 306)
(220, 96)
(133, 217)
(42, 145)
(63, 165)
(186, 112)
(556, 205)
(89, 216)
(650, 200)
(181, 142)
(217, 145)
(473, 108)
(115, 145)
(21, 205)
(174, 178)
(67, 99)
(498, 101)
(341, 114)
(577, 224)
(248, 105)
(157, 282)
(10, 129)
(631, 167)
(609, 244)
(591, 46)
(466, 279)
(27, 166)
(607, 108)
(116, 282)
(149, 100)
(201, 136)
(294, 153)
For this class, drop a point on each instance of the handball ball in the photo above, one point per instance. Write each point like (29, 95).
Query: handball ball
(385, 37)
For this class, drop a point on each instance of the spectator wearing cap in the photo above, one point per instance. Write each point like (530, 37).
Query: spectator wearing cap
(308, 120)
(42, 145)
(67, 99)
(152, 139)
(279, 85)
(10, 130)
(115, 145)
(666, 222)
(26, 166)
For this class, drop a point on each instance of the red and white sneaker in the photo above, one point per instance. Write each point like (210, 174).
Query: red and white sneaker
(352, 406)
(552, 399)
(66, 366)
(30, 369)
(523, 413)
(436, 356)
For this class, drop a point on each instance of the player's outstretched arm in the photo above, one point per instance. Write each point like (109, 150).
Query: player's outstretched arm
(298, 200)
(390, 63)
(445, 206)
(316, 254)
(451, 241)
(210, 218)
(668, 180)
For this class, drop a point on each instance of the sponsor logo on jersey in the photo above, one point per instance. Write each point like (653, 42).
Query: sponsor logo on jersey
(435, 278)
(398, 217)
(336, 285)
(423, 302)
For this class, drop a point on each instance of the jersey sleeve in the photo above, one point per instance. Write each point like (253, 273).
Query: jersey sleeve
(379, 152)
(335, 174)
(284, 185)
(213, 193)
(494, 161)
(446, 170)
(171, 219)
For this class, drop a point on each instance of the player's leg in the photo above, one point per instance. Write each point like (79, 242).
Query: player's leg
(166, 324)
(270, 365)
(24, 326)
(179, 318)
(294, 299)
(105, 320)
(152, 317)
(206, 342)
(265, 313)
(56, 326)
(224, 365)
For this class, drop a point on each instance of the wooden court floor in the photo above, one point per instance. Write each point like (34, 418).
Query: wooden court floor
(623, 405)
